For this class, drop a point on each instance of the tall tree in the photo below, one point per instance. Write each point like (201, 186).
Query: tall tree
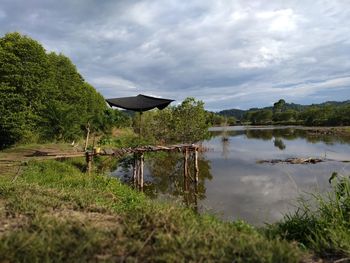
(23, 80)
(43, 96)
(190, 121)
(279, 106)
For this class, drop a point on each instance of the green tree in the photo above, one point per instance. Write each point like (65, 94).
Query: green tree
(261, 117)
(231, 121)
(279, 106)
(287, 115)
(23, 80)
(190, 121)
(185, 123)
(42, 96)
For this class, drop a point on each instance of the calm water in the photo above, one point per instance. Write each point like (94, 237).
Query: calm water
(232, 183)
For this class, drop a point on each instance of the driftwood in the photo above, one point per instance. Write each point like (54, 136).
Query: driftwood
(309, 160)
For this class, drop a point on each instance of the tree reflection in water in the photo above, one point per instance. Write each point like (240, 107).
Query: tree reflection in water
(165, 176)
(278, 142)
(295, 133)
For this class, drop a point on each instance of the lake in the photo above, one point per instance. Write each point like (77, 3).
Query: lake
(233, 185)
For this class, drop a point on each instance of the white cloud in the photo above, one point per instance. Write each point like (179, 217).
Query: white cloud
(282, 20)
(113, 82)
(221, 52)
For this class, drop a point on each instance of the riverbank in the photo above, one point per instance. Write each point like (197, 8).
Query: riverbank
(54, 212)
(311, 130)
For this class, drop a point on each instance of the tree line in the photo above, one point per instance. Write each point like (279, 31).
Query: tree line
(43, 97)
(325, 114)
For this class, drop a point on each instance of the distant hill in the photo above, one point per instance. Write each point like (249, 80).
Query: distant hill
(336, 103)
(238, 114)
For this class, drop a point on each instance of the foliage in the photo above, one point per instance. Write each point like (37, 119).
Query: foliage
(190, 121)
(186, 123)
(43, 97)
(259, 117)
(279, 106)
(125, 138)
(220, 120)
(236, 113)
(324, 114)
(53, 212)
(328, 114)
(23, 78)
(326, 228)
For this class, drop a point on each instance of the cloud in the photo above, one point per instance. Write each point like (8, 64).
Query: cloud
(112, 82)
(2, 14)
(224, 53)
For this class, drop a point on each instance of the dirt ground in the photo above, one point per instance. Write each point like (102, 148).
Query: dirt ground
(12, 159)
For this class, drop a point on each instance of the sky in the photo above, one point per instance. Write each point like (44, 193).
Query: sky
(230, 54)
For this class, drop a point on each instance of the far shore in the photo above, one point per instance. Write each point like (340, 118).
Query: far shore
(323, 130)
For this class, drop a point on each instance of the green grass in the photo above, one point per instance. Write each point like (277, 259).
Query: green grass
(55, 213)
(325, 229)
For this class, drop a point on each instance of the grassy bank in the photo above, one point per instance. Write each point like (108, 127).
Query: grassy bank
(53, 212)
(324, 228)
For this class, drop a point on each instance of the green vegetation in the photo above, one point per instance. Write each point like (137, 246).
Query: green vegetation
(53, 212)
(220, 120)
(43, 97)
(185, 123)
(325, 114)
(325, 228)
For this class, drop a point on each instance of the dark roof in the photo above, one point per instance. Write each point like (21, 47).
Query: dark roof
(139, 103)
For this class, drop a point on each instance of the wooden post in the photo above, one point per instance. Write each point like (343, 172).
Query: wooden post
(196, 168)
(88, 158)
(137, 171)
(87, 136)
(134, 171)
(141, 171)
(186, 162)
(185, 169)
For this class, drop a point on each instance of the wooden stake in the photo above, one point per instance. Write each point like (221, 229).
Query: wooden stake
(87, 136)
(137, 172)
(186, 163)
(196, 168)
(185, 169)
(134, 171)
(88, 158)
(141, 171)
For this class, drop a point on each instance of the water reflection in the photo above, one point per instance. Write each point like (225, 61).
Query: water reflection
(234, 185)
(287, 133)
(164, 175)
(225, 148)
(278, 142)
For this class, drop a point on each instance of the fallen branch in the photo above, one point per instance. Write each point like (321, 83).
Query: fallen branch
(294, 160)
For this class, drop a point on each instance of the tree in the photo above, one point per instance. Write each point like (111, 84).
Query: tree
(279, 106)
(23, 81)
(73, 103)
(43, 96)
(260, 116)
(185, 123)
(190, 121)
(285, 116)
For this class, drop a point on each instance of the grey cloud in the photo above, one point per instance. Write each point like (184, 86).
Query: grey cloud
(229, 54)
